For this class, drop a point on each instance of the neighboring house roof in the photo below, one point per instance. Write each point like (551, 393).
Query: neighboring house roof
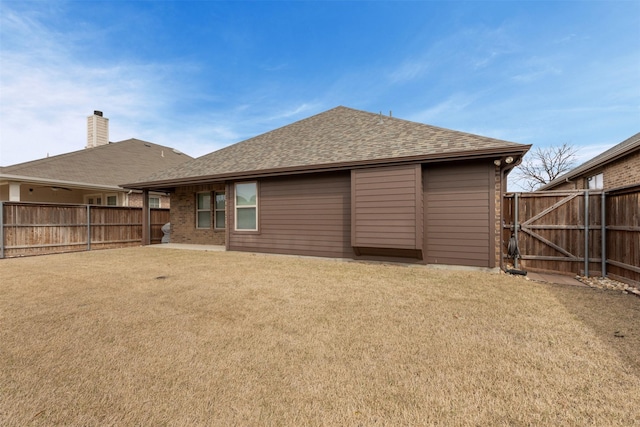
(340, 137)
(612, 154)
(103, 166)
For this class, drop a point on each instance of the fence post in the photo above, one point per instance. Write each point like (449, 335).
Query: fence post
(88, 227)
(1, 230)
(586, 233)
(515, 227)
(603, 234)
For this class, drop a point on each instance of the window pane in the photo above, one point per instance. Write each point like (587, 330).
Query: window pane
(596, 182)
(220, 219)
(154, 202)
(204, 201)
(204, 219)
(246, 219)
(246, 194)
(112, 200)
(219, 200)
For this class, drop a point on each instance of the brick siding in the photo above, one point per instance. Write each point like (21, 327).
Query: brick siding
(624, 171)
(498, 190)
(135, 200)
(183, 217)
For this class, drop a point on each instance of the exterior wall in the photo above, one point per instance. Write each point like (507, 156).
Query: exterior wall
(45, 194)
(135, 200)
(183, 217)
(386, 209)
(460, 214)
(301, 215)
(622, 172)
(456, 211)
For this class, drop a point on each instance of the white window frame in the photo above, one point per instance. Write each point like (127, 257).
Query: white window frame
(236, 207)
(106, 198)
(155, 198)
(198, 210)
(94, 196)
(597, 180)
(216, 226)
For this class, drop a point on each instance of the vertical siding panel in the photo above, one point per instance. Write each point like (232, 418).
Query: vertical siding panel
(386, 207)
(458, 214)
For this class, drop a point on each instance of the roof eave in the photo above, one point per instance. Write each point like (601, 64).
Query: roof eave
(56, 182)
(586, 167)
(439, 157)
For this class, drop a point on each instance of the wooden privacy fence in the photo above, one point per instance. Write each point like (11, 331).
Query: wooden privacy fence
(582, 232)
(44, 228)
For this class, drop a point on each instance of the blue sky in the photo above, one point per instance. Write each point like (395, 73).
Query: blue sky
(198, 76)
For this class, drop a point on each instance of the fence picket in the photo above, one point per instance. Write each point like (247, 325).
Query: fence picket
(43, 228)
(603, 226)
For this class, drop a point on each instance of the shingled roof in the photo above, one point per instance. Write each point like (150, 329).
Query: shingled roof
(106, 165)
(625, 147)
(339, 137)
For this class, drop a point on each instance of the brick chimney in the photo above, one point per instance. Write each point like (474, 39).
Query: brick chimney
(97, 130)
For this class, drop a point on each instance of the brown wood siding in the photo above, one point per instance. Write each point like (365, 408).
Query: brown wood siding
(308, 215)
(387, 208)
(458, 214)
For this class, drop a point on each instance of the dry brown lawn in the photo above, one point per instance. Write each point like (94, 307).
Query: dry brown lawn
(152, 337)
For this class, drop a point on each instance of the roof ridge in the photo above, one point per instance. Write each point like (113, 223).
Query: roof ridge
(45, 160)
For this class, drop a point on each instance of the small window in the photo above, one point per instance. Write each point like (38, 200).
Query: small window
(203, 210)
(93, 199)
(247, 206)
(154, 202)
(595, 182)
(219, 208)
(112, 200)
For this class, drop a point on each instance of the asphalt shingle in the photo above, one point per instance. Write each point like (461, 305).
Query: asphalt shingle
(338, 136)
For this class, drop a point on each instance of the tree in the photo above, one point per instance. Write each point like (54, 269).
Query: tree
(542, 165)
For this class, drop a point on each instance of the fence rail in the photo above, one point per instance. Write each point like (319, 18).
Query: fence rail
(582, 232)
(44, 228)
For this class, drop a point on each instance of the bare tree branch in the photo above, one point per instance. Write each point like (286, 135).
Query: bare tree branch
(542, 165)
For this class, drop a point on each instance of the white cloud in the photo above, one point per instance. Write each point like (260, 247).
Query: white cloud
(411, 69)
(453, 105)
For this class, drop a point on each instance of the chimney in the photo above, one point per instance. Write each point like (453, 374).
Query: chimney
(97, 130)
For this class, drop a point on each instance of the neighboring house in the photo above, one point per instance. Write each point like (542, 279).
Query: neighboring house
(619, 166)
(92, 175)
(347, 184)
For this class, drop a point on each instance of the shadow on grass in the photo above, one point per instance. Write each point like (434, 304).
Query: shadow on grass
(612, 315)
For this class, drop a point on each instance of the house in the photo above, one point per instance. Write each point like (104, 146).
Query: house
(347, 184)
(91, 175)
(617, 167)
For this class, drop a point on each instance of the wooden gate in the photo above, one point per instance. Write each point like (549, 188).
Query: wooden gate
(568, 232)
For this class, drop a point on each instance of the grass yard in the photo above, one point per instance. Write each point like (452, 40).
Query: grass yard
(153, 337)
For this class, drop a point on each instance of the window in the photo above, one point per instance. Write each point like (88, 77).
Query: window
(93, 199)
(247, 206)
(154, 202)
(112, 200)
(595, 182)
(203, 210)
(219, 208)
